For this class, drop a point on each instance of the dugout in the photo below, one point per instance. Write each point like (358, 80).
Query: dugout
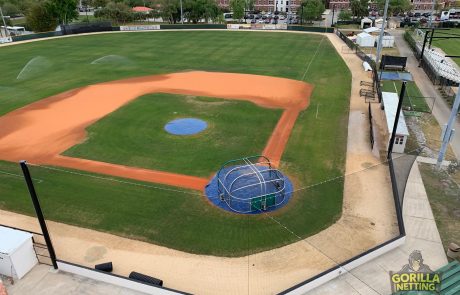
(390, 106)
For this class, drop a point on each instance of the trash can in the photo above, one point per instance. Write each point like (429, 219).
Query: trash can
(453, 251)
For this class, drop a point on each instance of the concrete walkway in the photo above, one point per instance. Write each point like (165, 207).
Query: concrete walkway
(431, 161)
(441, 111)
(42, 279)
(421, 234)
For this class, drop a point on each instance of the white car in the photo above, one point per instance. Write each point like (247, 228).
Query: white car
(282, 17)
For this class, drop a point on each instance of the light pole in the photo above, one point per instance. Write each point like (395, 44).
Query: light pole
(379, 46)
(4, 23)
(333, 10)
(430, 18)
(448, 133)
(181, 13)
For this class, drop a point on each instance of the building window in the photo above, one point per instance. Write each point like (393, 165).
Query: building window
(287, 2)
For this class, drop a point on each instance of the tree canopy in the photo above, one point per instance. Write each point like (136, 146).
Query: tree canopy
(237, 7)
(345, 15)
(116, 12)
(64, 10)
(396, 6)
(41, 19)
(312, 10)
(359, 8)
(10, 9)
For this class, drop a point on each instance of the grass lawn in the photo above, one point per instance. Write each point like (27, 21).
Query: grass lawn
(158, 214)
(443, 191)
(413, 98)
(449, 46)
(144, 142)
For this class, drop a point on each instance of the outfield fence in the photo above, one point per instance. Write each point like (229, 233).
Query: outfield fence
(82, 28)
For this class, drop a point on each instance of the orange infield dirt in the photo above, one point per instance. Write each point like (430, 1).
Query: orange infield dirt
(41, 131)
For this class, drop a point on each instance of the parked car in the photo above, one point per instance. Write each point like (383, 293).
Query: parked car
(417, 14)
(267, 21)
(253, 21)
(282, 17)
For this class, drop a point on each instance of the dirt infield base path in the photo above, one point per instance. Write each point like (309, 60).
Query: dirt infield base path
(41, 131)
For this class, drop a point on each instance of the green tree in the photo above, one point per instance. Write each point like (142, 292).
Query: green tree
(170, 10)
(395, 6)
(250, 5)
(312, 10)
(345, 15)
(64, 10)
(40, 19)
(195, 10)
(237, 7)
(99, 3)
(117, 12)
(359, 8)
(10, 9)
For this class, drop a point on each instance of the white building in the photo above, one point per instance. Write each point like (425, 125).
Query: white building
(365, 40)
(390, 105)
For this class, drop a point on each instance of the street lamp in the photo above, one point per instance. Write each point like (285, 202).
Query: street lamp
(333, 10)
(4, 23)
(181, 13)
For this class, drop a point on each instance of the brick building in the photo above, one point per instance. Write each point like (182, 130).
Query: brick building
(268, 5)
(417, 4)
(338, 4)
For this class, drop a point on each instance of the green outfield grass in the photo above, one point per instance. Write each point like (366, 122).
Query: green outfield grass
(449, 46)
(235, 128)
(158, 214)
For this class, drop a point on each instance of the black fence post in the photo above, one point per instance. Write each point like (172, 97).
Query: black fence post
(398, 113)
(38, 210)
(423, 49)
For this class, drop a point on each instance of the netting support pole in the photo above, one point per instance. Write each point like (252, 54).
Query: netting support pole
(448, 133)
(38, 211)
(398, 113)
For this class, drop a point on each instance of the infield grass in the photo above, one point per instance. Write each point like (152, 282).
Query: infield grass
(134, 135)
(159, 214)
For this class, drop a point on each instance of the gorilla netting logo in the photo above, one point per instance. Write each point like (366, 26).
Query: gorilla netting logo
(415, 276)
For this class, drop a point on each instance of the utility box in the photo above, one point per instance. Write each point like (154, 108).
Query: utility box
(17, 254)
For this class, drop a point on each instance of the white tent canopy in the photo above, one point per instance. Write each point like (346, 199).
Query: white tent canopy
(365, 40)
(371, 30)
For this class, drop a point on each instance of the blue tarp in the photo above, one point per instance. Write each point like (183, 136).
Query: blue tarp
(396, 76)
(185, 126)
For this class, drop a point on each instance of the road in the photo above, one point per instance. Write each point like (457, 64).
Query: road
(441, 111)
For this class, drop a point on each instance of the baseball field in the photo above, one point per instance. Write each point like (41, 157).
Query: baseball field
(449, 46)
(88, 74)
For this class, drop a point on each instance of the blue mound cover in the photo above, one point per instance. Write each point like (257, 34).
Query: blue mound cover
(185, 126)
(244, 205)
